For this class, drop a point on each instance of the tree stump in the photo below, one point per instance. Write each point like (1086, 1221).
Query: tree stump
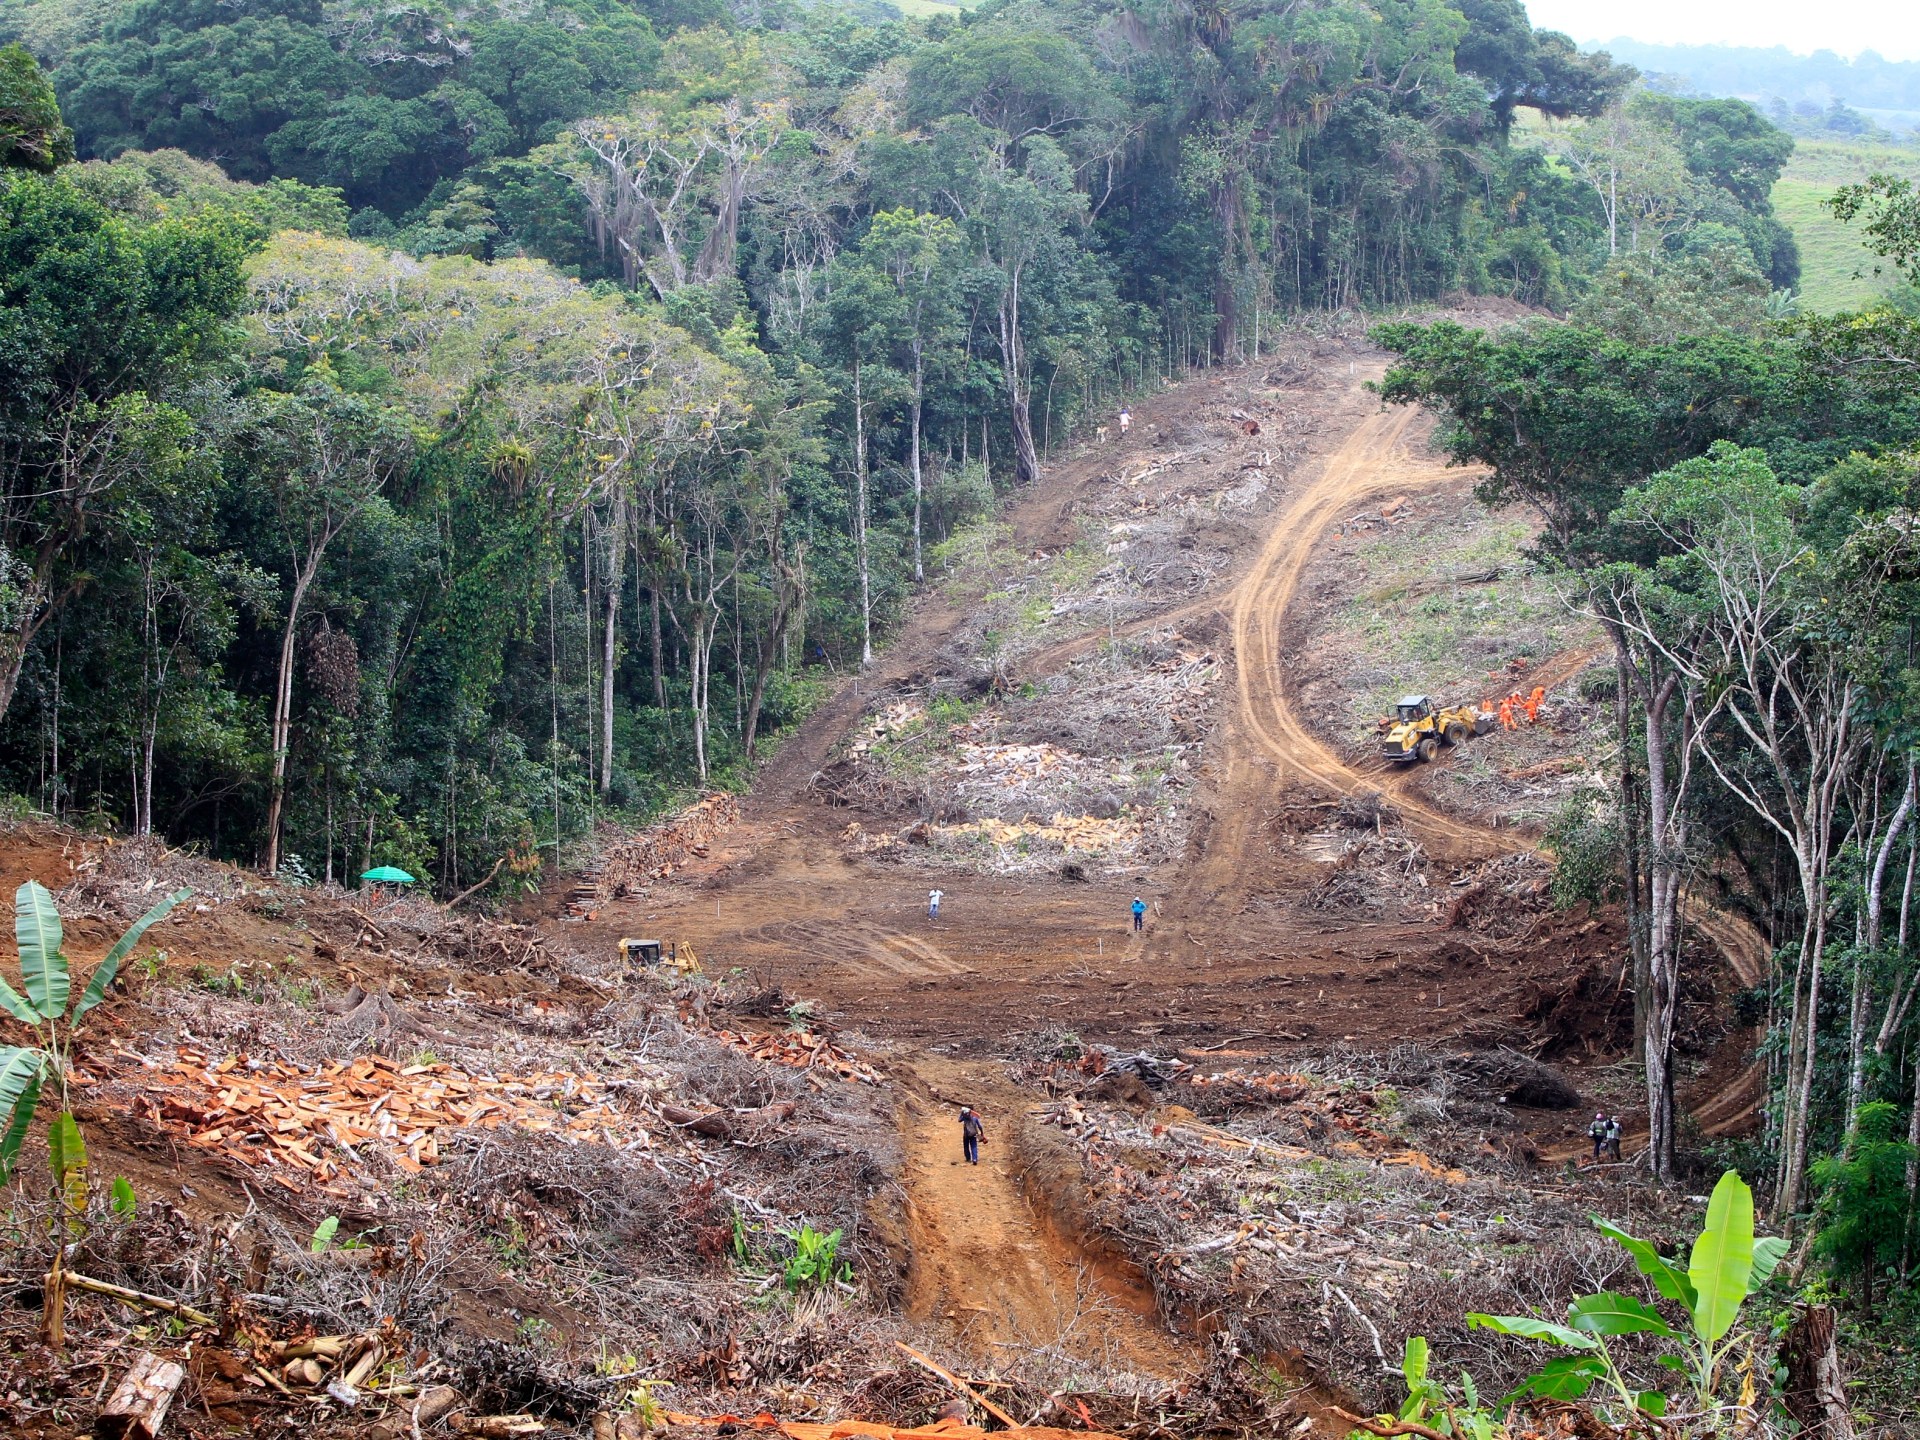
(1816, 1391)
(138, 1406)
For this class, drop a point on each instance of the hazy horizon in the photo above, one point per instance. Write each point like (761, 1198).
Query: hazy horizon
(1846, 27)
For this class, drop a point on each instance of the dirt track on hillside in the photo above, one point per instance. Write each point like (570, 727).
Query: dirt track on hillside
(1236, 961)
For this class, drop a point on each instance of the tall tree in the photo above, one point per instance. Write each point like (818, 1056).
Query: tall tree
(328, 455)
(103, 326)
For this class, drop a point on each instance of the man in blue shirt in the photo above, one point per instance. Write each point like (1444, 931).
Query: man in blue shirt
(1139, 913)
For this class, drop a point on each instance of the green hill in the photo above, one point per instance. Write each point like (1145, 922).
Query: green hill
(1836, 270)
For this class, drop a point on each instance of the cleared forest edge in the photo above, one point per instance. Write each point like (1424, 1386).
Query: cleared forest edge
(1015, 954)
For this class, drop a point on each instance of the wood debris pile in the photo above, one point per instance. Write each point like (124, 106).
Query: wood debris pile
(1012, 764)
(801, 1049)
(266, 1114)
(661, 850)
(900, 718)
(337, 1366)
(1273, 1085)
(1066, 832)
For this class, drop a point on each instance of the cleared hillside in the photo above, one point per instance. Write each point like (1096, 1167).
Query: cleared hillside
(1836, 270)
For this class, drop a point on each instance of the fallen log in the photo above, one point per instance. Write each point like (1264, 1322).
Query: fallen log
(714, 1124)
(411, 1419)
(496, 1427)
(138, 1406)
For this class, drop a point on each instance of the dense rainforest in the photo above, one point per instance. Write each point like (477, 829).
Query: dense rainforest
(424, 432)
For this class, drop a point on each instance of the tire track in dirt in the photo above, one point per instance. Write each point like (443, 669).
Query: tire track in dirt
(985, 1262)
(1372, 460)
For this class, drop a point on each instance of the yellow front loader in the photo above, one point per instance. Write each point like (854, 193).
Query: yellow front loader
(1417, 729)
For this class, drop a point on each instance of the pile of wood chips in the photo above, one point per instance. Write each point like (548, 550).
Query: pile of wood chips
(801, 1049)
(264, 1113)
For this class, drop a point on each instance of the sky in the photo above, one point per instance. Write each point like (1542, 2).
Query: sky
(1891, 27)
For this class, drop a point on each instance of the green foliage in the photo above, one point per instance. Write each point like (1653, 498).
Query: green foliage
(32, 134)
(1726, 1265)
(1433, 1404)
(46, 977)
(125, 1204)
(323, 1234)
(1865, 1213)
(1585, 841)
(815, 1263)
(1890, 206)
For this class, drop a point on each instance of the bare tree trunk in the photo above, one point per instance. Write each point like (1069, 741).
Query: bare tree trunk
(919, 386)
(1026, 461)
(615, 551)
(1793, 1183)
(1665, 861)
(282, 729)
(1630, 817)
(789, 592)
(860, 515)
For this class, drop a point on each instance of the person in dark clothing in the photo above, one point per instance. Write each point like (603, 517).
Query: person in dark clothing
(972, 1132)
(1597, 1132)
(1139, 913)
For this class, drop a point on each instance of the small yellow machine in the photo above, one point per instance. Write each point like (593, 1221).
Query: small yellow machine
(1417, 728)
(649, 953)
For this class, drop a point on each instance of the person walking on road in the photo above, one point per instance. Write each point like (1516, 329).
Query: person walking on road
(1597, 1132)
(933, 903)
(1613, 1138)
(1139, 913)
(972, 1132)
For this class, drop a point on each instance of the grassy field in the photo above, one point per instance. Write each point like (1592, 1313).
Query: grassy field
(1836, 271)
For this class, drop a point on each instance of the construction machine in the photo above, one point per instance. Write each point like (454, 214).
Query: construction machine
(645, 954)
(1417, 728)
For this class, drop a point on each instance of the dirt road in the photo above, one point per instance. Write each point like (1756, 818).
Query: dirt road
(985, 1260)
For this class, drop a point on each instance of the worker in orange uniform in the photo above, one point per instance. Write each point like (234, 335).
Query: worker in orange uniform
(1506, 713)
(1534, 701)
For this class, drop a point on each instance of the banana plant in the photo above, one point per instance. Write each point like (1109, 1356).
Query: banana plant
(1728, 1263)
(27, 1071)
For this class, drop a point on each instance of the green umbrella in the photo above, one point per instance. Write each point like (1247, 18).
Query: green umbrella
(389, 875)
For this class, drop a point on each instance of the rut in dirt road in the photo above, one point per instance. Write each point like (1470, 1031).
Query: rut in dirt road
(986, 1262)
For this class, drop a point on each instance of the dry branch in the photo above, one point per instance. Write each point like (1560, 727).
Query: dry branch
(136, 1297)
